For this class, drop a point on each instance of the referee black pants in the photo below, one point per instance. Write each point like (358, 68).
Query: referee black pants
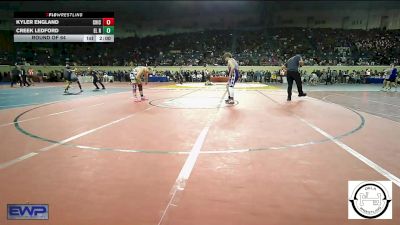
(294, 76)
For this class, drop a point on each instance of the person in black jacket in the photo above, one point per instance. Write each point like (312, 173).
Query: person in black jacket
(23, 77)
(328, 76)
(95, 78)
(14, 76)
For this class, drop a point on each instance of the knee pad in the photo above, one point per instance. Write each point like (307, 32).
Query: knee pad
(140, 87)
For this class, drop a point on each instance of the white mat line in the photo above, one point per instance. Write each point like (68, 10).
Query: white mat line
(31, 154)
(6, 164)
(353, 152)
(187, 168)
(19, 159)
(64, 100)
(52, 114)
(383, 103)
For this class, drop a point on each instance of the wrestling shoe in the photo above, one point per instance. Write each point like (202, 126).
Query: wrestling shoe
(303, 95)
(144, 98)
(230, 101)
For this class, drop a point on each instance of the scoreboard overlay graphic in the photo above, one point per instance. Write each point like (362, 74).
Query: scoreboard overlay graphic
(64, 26)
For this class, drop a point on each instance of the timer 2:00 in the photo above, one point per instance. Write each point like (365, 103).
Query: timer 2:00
(102, 38)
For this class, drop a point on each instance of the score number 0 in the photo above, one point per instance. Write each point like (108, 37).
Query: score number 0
(108, 21)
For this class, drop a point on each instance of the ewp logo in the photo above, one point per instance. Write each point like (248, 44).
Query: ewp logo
(28, 212)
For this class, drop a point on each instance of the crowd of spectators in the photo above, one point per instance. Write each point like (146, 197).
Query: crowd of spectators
(324, 76)
(328, 76)
(251, 47)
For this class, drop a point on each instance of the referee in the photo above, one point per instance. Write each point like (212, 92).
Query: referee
(292, 67)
